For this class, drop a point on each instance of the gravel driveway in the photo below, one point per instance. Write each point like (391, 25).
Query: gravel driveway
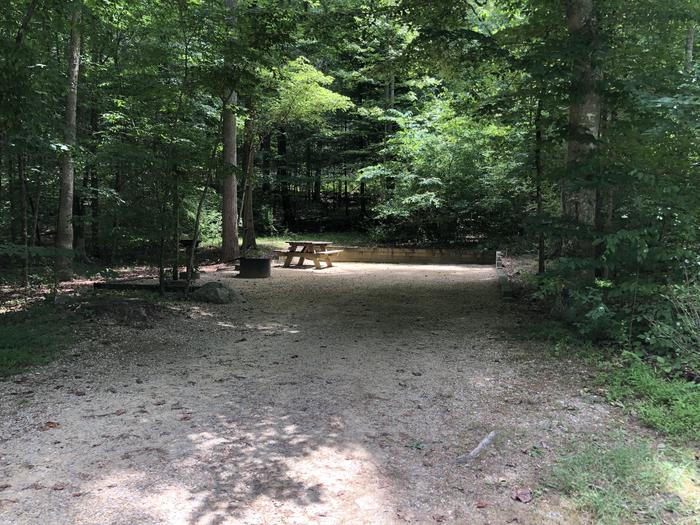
(336, 396)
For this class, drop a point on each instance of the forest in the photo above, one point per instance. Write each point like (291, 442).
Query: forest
(565, 133)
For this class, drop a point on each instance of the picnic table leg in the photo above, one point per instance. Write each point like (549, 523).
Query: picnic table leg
(329, 264)
(301, 259)
(288, 260)
(317, 263)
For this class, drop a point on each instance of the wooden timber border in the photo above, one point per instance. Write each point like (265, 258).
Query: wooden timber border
(380, 254)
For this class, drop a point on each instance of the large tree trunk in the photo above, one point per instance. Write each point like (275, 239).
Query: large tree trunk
(578, 196)
(229, 233)
(229, 216)
(64, 231)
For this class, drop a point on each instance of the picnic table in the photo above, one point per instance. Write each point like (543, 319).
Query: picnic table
(312, 250)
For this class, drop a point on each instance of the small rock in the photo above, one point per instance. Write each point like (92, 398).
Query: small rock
(523, 495)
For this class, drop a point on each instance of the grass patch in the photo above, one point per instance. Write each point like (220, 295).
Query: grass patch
(671, 406)
(338, 238)
(32, 336)
(630, 483)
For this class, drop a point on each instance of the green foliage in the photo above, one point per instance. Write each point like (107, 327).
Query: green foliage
(675, 337)
(32, 335)
(624, 483)
(302, 97)
(337, 238)
(448, 179)
(671, 406)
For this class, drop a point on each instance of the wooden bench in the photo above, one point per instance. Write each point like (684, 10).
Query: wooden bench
(316, 257)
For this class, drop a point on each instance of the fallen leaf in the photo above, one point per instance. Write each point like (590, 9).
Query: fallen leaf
(524, 495)
(49, 424)
(60, 486)
(481, 504)
(120, 412)
(439, 517)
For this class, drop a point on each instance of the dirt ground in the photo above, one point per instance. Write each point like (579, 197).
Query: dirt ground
(336, 396)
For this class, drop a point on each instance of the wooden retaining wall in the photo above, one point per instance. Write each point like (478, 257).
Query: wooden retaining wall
(415, 255)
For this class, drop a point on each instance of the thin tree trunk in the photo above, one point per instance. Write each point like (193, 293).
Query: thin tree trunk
(161, 246)
(282, 177)
(363, 200)
(24, 215)
(24, 26)
(389, 96)
(95, 214)
(176, 233)
(265, 144)
(689, 48)
(36, 239)
(64, 232)
(249, 242)
(538, 186)
(347, 195)
(11, 190)
(197, 220)
(79, 219)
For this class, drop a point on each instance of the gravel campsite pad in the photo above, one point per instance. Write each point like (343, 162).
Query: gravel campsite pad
(345, 395)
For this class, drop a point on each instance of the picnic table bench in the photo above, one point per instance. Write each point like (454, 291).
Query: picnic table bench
(315, 251)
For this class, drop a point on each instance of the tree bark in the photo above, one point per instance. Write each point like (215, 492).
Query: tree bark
(229, 233)
(229, 216)
(64, 231)
(578, 196)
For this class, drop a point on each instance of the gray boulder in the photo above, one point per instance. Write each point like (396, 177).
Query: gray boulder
(215, 293)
